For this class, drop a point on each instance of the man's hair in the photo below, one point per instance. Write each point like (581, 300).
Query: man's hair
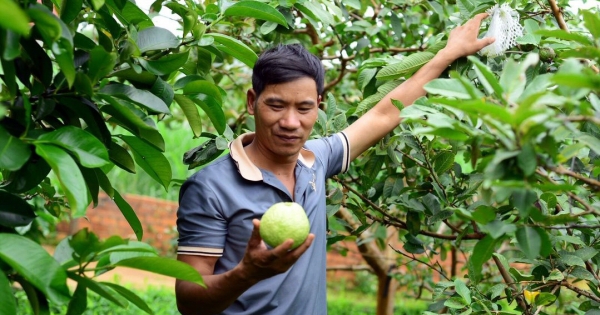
(286, 63)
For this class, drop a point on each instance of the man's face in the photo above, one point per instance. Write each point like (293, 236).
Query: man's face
(285, 114)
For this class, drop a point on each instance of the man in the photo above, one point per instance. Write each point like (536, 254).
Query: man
(220, 206)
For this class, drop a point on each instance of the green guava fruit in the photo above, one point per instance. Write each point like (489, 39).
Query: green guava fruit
(283, 221)
(547, 54)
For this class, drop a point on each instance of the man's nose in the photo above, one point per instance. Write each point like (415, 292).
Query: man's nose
(290, 119)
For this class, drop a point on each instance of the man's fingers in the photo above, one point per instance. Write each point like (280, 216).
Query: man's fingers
(304, 246)
(486, 41)
(479, 17)
(255, 238)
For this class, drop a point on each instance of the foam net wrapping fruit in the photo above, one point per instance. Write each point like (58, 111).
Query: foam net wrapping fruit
(504, 27)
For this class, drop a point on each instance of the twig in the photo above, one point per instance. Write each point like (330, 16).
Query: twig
(338, 79)
(440, 271)
(376, 50)
(508, 280)
(349, 268)
(585, 293)
(589, 209)
(563, 171)
(558, 15)
(592, 119)
(561, 23)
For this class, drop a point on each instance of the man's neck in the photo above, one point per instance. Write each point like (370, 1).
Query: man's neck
(263, 159)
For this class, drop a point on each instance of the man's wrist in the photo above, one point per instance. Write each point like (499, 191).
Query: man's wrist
(447, 56)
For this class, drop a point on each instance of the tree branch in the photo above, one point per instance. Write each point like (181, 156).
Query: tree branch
(440, 270)
(563, 171)
(561, 22)
(508, 280)
(585, 293)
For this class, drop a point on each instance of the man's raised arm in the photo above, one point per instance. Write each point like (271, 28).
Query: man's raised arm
(384, 116)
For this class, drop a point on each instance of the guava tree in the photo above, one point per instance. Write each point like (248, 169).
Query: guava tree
(496, 167)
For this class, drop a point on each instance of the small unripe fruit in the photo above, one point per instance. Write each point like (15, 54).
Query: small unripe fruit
(283, 221)
(547, 54)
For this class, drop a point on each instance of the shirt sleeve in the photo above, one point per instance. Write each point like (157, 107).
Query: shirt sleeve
(333, 151)
(202, 227)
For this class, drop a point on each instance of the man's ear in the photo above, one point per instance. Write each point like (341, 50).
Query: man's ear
(319, 99)
(251, 101)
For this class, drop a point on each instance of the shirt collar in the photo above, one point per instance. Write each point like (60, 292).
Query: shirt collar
(245, 166)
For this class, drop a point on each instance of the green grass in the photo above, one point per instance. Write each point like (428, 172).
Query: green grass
(161, 300)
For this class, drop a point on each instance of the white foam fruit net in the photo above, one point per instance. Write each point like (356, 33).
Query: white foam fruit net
(505, 27)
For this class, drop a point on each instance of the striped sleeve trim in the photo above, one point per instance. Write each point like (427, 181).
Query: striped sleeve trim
(346, 147)
(200, 251)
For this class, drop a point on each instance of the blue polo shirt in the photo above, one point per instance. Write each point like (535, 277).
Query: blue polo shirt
(219, 202)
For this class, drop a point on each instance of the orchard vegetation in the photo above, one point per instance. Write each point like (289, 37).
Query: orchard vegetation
(483, 201)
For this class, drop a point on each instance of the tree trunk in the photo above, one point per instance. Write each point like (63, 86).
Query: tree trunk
(379, 260)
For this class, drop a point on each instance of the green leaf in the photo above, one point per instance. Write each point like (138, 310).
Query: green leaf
(546, 244)
(78, 303)
(487, 78)
(101, 63)
(523, 200)
(165, 65)
(235, 48)
(150, 160)
(315, 13)
(163, 90)
(37, 299)
(413, 222)
(121, 157)
(443, 162)
(529, 241)
(555, 275)
(203, 87)
(130, 296)
(69, 176)
(591, 22)
(134, 120)
(564, 35)
(455, 302)
(586, 253)
(56, 34)
(129, 215)
(164, 266)
(447, 88)
(484, 214)
(29, 176)
(257, 10)
(99, 288)
(512, 80)
(88, 149)
(462, 290)
(571, 260)
(545, 298)
(70, 9)
(8, 305)
(33, 263)
(139, 97)
(481, 254)
(213, 110)
(14, 153)
(191, 113)
(14, 211)
(591, 141)
(156, 38)
(527, 159)
(520, 275)
(13, 18)
(406, 66)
